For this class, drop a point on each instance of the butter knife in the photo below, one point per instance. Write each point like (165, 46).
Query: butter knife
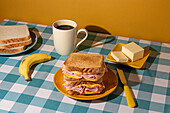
(129, 98)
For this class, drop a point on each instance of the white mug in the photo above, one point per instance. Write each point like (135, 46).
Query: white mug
(65, 39)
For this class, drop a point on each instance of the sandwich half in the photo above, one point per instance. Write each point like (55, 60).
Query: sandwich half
(83, 73)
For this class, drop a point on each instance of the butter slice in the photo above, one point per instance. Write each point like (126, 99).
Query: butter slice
(119, 56)
(133, 51)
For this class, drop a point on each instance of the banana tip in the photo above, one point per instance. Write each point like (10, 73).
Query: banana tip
(28, 79)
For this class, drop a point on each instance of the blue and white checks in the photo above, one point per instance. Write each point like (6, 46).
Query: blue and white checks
(150, 85)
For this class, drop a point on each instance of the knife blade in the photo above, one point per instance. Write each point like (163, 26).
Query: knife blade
(129, 97)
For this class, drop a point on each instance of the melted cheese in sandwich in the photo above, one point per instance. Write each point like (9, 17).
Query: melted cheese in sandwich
(94, 79)
(89, 86)
(89, 79)
(77, 72)
(72, 76)
(81, 73)
(85, 85)
(89, 92)
(67, 89)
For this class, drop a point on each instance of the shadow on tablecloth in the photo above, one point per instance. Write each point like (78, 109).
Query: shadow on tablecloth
(154, 53)
(97, 29)
(39, 40)
(93, 40)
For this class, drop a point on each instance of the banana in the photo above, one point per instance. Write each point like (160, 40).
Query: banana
(30, 60)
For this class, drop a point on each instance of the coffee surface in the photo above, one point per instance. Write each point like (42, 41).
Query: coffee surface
(64, 27)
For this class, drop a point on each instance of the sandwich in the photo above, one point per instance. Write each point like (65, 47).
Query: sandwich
(14, 38)
(83, 73)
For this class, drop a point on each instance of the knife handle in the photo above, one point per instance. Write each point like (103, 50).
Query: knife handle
(129, 98)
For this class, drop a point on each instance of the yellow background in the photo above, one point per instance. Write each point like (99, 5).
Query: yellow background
(142, 19)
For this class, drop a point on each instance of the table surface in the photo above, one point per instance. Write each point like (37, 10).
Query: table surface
(150, 85)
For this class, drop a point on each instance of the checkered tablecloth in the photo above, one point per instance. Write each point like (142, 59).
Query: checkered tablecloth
(150, 85)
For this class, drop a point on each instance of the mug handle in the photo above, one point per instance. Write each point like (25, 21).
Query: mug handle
(82, 30)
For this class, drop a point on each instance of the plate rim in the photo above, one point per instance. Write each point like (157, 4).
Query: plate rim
(131, 65)
(90, 97)
(28, 48)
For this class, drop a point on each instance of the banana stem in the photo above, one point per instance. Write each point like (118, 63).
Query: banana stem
(27, 78)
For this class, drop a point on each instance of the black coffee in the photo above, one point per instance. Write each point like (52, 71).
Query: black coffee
(64, 27)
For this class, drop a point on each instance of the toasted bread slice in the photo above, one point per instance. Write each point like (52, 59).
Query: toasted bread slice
(83, 62)
(13, 33)
(12, 50)
(16, 44)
